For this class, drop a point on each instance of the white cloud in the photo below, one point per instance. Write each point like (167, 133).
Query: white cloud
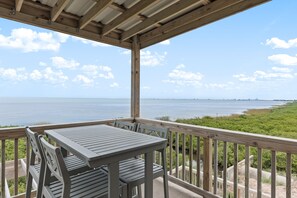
(146, 88)
(279, 43)
(165, 42)
(60, 62)
(283, 59)
(18, 74)
(96, 71)
(28, 40)
(219, 85)
(43, 64)
(84, 80)
(262, 76)
(90, 42)
(180, 66)
(113, 85)
(184, 78)
(147, 58)
(282, 69)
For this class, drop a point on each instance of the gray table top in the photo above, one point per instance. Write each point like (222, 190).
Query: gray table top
(102, 144)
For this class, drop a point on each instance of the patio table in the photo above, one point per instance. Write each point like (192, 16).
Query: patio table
(106, 145)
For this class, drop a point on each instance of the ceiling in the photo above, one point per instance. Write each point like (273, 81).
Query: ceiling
(116, 22)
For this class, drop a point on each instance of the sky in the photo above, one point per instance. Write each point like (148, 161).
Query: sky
(250, 55)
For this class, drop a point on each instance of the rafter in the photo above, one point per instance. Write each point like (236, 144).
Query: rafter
(58, 8)
(18, 5)
(203, 16)
(94, 11)
(135, 10)
(166, 13)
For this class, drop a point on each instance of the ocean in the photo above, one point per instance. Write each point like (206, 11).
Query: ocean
(30, 111)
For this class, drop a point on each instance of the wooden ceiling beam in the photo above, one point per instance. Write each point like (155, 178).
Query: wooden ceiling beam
(155, 19)
(58, 9)
(39, 17)
(93, 12)
(118, 7)
(18, 5)
(205, 15)
(134, 10)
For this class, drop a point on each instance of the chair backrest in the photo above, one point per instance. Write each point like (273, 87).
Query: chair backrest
(54, 161)
(152, 130)
(34, 142)
(125, 125)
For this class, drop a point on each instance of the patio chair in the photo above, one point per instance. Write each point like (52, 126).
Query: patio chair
(132, 170)
(125, 125)
(36, 170)
(93, 183)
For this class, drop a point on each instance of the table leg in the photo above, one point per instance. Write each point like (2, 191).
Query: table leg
(148, 175)
(113, 180)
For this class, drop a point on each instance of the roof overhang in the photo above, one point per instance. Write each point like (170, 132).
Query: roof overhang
(115, 22)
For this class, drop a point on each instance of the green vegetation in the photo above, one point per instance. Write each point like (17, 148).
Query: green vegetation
(278, 121)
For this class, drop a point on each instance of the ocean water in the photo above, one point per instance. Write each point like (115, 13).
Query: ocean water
(29, 111)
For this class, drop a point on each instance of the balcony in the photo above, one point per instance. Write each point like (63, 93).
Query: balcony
(198, 161)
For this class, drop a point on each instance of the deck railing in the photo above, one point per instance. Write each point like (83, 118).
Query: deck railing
(196, 156)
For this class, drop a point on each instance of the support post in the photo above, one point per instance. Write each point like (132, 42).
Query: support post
(207, 164)
(135, 77)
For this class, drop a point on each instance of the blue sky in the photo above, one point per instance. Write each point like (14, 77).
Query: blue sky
(249, 55)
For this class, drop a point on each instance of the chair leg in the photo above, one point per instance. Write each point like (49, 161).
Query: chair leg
(139, 193)
(165, 176)
(29, 185)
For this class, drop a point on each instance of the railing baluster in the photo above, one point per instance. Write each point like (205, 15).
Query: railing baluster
(259, 174)
(207, 164)
(177, 153)
(288, 175)
(225, 170)
(191, 159)
(183, 156)
(3, 168)
(247, 172)
(273, 174)
(215, 164)
(16, 166)
(198, 162)
(170, 152)
(27, 155)
(235, 177)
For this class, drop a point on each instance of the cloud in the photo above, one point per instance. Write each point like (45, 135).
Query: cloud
(263, 76)
(149, 59)
(90, 42)
(283, 59)
(12, 74)
(282, 69)
(146, 88)
(20, 74)
(166, 42)
(61, 63)
(113, 85)
(184, 78)
(28, 40)
(85, 81)
(279, 43)
(219, 85)
(100, 71)
(180, 66)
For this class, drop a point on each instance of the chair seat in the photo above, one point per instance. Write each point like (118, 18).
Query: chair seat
(132, 171)
(93, 183)
(73, 164)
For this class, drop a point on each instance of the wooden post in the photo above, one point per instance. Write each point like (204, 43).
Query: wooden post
(135, 77)
(207, 164)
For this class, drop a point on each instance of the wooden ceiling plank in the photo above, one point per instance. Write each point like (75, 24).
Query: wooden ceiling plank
(18, 5)
(135, 10)
(30, 19)
(58, 9)
(189, 17)
(93, 12)
(155, 19)
(206, 19)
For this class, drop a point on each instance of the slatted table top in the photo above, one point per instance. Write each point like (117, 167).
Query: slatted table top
(102, 144)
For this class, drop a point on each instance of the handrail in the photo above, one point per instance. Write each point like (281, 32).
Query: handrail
(250, 139)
